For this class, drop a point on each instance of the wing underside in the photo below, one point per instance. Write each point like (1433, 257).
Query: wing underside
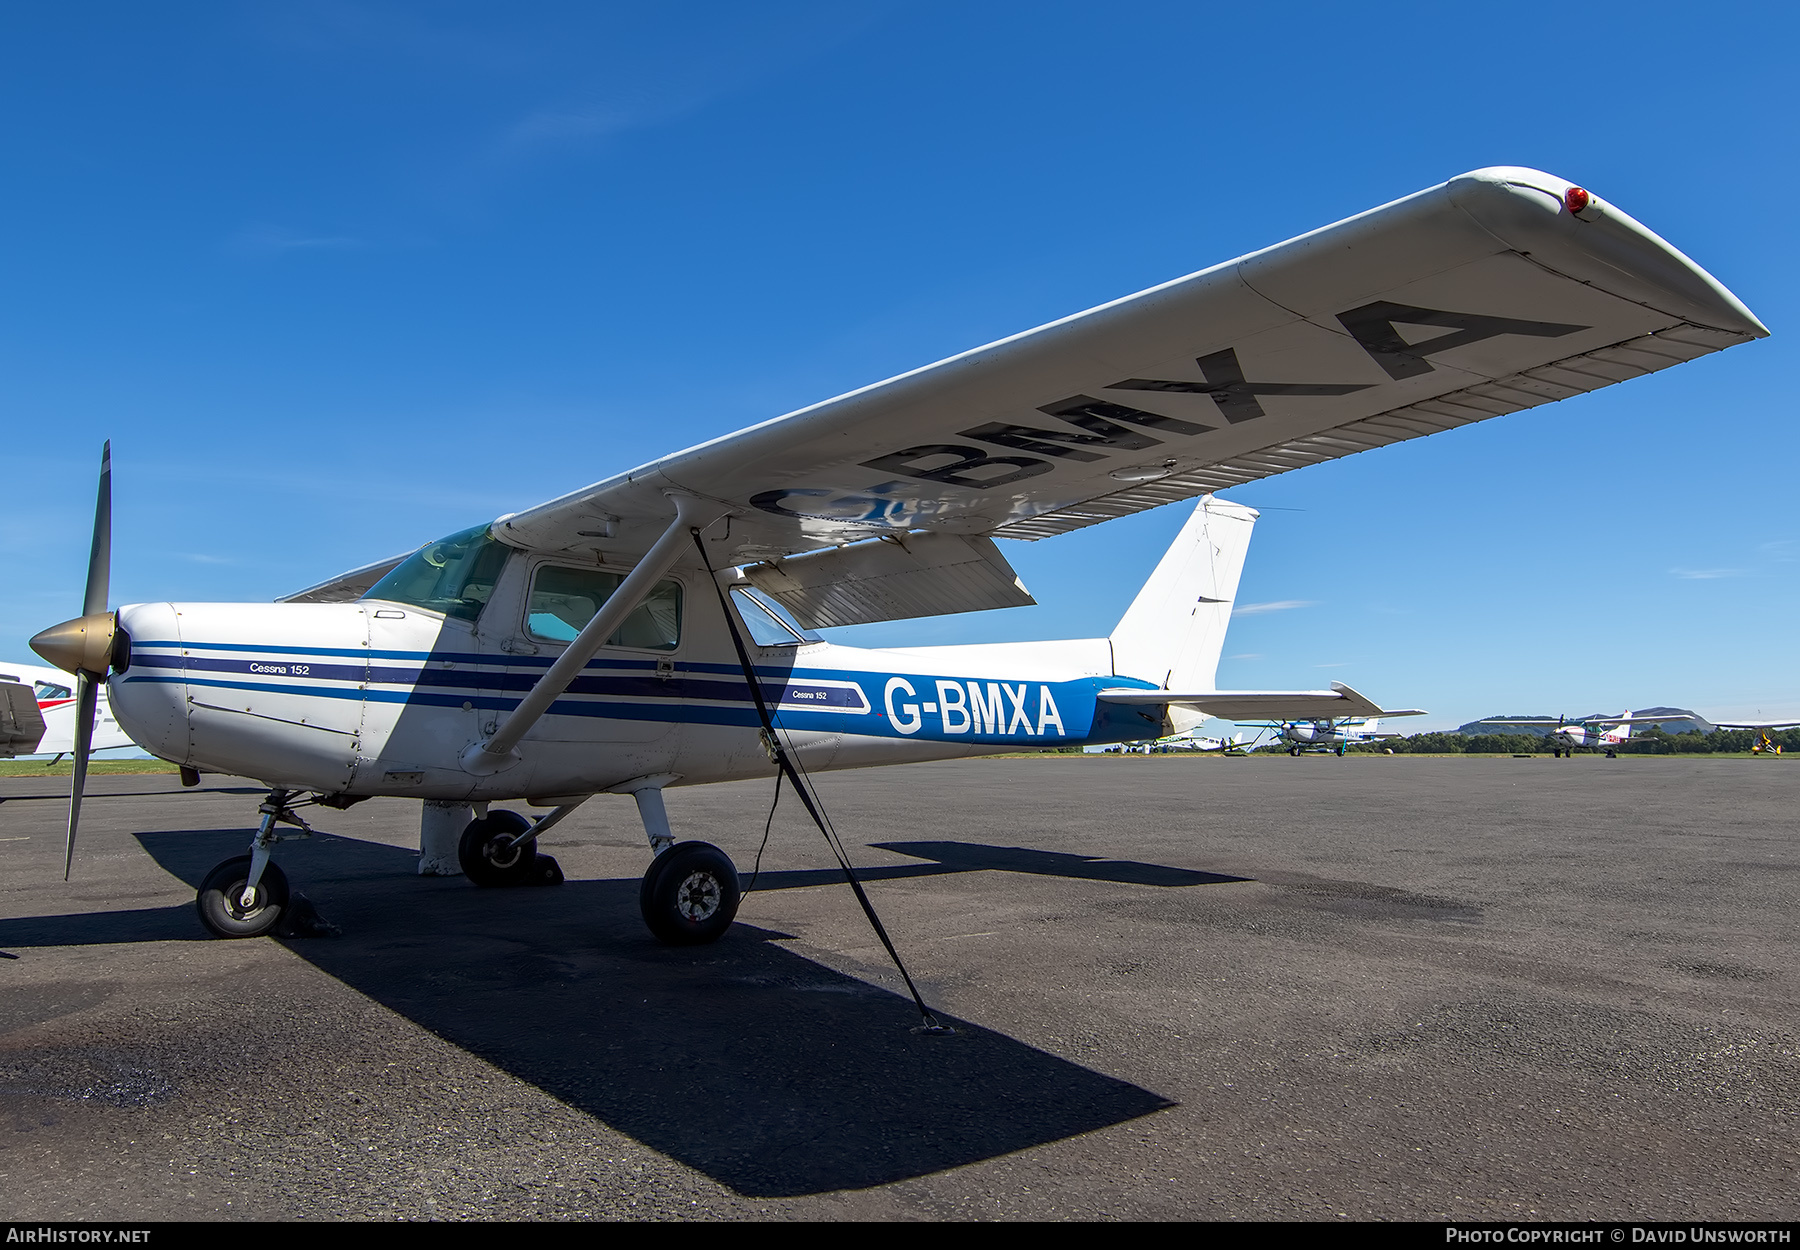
(1479, 297)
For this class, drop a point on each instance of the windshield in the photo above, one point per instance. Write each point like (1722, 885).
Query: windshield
(454, 575)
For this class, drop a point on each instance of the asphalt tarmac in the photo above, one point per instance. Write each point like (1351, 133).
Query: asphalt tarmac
(1364, 988)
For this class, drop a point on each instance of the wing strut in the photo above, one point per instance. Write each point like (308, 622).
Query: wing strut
(929, 1023)
(498, 753)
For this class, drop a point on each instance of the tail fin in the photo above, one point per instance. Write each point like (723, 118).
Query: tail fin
(1175, 629)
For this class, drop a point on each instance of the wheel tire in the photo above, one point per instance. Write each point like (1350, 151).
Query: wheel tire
(218, 904)
(486, 858)
(690, 894)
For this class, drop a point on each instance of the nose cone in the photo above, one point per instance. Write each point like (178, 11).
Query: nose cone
(83, 645)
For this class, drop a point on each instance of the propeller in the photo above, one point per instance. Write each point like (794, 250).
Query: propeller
(88, 647)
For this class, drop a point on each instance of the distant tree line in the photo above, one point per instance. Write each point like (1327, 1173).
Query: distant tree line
(1652, 741)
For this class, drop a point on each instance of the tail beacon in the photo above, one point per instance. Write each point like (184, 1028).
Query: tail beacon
(1175, 629)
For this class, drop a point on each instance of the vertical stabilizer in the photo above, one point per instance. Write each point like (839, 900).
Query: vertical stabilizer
(1175, 629)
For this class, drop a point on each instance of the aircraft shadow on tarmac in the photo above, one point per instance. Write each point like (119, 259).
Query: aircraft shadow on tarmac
(769, 1072)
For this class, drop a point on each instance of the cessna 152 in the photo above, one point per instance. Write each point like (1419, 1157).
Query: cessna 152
(589, 645)
(1595, 733)
(52, 731)
(1609, 733)
(1331, 735)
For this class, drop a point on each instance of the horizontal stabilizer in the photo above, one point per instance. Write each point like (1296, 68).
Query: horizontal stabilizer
(346, 586)
(21, 724)
(1334, 704)
(892, 579)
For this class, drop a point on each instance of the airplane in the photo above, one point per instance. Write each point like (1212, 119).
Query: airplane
(1182, 744)
(1329, 734)
(1594, 733)
(596, 643)
(1764, 744)
(52, 731)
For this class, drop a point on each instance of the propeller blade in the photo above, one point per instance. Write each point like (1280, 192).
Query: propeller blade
(87, 698)
(87, 679)
(100, 554)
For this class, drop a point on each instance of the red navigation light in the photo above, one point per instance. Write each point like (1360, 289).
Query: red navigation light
(1575, 199)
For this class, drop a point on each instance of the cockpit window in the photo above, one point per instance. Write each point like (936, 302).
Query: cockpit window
(454, 575)
(768, 622)
(48, 690)
(564, 600)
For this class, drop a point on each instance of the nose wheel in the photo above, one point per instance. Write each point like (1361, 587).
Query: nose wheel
(231, 907)
(690, 894)
(247, 896)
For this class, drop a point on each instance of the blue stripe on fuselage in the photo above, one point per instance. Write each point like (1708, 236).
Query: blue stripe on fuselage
(631, 691)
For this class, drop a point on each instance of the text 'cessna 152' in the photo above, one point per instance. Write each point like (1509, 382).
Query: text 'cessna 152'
(596, 643)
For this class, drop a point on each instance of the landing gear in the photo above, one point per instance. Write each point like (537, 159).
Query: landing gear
(492, 854)
(231, 907)
(1340, 750)
(1294, 751)
(1612, 755)
(246, 896)
(690, 894)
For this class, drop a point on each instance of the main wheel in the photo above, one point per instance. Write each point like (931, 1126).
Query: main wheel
(690, 894)
(221, 899)
(1340, 751)
(487, 855)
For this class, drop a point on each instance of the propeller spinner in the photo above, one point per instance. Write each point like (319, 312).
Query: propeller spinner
(88, 647)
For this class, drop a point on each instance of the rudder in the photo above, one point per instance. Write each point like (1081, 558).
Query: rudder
(1174, 631)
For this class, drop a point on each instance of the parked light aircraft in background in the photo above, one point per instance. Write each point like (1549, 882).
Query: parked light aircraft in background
(1609, 733)
(589, 644)
(47, 690)
(1336, 735)
(1593, 733)
(1764, 745)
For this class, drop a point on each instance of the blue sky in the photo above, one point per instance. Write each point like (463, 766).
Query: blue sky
(339, 278)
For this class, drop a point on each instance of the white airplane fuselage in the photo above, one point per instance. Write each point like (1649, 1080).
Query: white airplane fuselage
(55, 691)
(379, 698)
(1302, 735)
(1572, 737)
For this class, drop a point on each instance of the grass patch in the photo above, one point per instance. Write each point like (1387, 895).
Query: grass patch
(43, 768)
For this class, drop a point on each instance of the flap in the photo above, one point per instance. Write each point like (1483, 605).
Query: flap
(892, 580)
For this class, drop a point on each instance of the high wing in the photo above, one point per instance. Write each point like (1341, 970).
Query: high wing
(1336, 703)
(1756, 724)
(346, 586)
(1496, 291)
